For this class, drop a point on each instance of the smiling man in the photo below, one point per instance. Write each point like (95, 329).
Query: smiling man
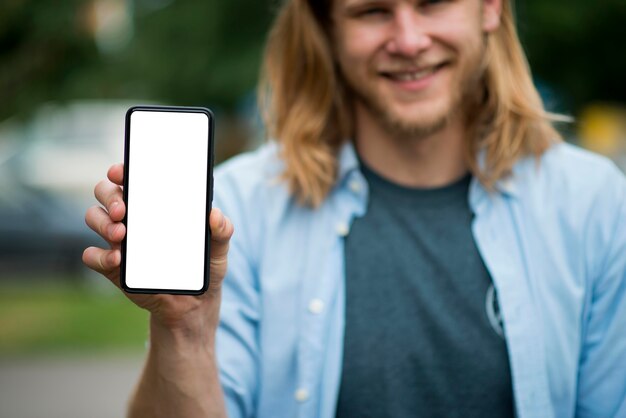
(413, 71)
(416, 240)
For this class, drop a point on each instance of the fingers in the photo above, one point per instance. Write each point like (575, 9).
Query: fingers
(116, 174)
(110, 196)
(102, 261)
(221, 231)
(99, 220)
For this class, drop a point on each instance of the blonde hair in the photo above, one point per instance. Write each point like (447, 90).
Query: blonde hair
(306, 108)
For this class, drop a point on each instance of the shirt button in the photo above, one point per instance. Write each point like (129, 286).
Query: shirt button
(342, 229)
(301, 395)
(316, 306)
(506, 184)
(355, 186)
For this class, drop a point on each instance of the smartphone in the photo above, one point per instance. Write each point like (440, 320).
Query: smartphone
(168, 190)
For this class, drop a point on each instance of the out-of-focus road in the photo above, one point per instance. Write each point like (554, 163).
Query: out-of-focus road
(67, 387)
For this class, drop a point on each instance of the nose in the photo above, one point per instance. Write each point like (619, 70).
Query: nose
(409, 36)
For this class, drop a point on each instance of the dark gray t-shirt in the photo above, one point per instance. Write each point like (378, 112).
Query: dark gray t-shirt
(422, 337)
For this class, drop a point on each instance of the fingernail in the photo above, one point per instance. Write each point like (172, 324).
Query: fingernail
(111, 258)
(111, 230)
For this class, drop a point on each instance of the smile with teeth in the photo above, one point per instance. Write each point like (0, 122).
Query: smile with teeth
(412, 75)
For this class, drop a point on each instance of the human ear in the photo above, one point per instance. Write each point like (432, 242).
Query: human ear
(492, 10)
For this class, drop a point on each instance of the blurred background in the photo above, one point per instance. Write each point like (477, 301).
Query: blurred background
(70, 345)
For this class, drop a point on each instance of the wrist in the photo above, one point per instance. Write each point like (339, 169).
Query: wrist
(196, 327)
(194, 331)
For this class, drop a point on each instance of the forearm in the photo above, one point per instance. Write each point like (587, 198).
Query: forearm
(180, 378)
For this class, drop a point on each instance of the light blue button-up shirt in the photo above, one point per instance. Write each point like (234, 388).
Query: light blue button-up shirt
(553, 237)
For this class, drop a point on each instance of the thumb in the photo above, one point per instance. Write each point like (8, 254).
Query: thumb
(221, 231)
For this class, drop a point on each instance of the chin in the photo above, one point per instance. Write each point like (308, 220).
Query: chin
(416, 129)
(418, 122)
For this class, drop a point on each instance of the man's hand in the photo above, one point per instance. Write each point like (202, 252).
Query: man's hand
(106, 221)
(181, 363)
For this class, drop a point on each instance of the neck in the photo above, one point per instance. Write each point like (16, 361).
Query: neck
(430, 161)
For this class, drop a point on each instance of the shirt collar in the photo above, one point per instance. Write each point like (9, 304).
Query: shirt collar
(348, 160)
(507, 186)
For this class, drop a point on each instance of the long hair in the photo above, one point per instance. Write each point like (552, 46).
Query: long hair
(306, 109)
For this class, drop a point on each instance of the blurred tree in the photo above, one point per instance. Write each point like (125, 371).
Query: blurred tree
(577, 47)
(194, 52)
(42, 45)
(180, 52)
(208, 52)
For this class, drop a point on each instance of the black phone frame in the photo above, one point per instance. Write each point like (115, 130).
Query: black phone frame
(209, 200)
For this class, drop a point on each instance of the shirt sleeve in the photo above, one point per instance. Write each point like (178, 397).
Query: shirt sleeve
(237, 336)
(602, 369)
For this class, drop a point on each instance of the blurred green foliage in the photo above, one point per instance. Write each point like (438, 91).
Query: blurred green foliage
(41, 47)
(208, 52)
(578, 47)
(60, 318)
(182, 52)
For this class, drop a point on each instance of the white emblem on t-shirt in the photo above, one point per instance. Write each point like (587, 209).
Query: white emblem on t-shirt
(493, 311)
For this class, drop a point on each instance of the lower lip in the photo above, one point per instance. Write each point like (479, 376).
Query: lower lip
(416, 85)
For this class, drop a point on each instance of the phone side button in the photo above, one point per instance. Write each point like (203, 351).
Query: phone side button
(211, 192)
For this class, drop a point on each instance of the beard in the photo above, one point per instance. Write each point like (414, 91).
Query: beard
(465, 90)
(402, 127)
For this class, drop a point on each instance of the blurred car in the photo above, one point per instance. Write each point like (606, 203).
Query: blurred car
(39, 231)
(48, 168)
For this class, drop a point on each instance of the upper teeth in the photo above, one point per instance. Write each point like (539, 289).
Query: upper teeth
(413, 75)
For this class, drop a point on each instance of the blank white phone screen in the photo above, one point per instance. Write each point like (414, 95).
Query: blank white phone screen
(167, 200)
